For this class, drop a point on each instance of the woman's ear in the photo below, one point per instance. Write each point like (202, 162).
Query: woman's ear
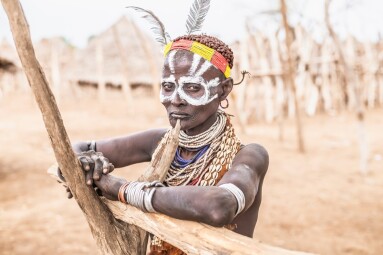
(227, 86)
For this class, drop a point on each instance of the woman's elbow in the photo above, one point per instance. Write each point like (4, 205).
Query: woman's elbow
(221, 213)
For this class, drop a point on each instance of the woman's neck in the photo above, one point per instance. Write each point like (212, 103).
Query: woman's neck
(203, 126)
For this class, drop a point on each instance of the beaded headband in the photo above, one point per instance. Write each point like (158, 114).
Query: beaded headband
(194, 23)
(204, 51)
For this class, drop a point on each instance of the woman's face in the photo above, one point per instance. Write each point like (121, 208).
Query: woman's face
(190, 90)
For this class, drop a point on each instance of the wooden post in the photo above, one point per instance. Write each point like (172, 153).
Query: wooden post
(290, 77)
(259, 43)
(280, 85)
(241, 95)
(351, 81)
(125, 239)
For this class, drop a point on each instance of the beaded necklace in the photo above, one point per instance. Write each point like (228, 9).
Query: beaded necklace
(206, 168)
(197, 141)
(217, 147)
(180, 162)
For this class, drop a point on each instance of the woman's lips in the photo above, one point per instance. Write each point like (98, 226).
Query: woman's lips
(179, 115)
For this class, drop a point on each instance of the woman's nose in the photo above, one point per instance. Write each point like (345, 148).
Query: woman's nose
(177, 100)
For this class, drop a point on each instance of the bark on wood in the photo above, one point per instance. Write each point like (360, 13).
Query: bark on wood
(112, 236)
(192, 237)
(159, 166)
(290, 77)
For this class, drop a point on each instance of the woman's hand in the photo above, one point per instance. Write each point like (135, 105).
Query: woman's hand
(95, 165)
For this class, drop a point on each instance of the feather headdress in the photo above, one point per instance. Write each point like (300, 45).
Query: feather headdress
(197, 15)
(157, 26)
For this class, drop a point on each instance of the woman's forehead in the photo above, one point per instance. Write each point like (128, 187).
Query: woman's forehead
(187, 63)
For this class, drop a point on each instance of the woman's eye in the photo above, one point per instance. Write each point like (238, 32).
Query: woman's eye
(168, 86)
(193, 87)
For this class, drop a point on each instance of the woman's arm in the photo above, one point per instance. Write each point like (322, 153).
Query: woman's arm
(131, 149)
(213, 205)
(116, 152)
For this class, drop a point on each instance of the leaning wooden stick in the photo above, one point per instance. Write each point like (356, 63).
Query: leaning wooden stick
(194, 238)
(127, 239)
(161, 161)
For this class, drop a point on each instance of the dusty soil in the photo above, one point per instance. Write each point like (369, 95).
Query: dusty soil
(315, 202)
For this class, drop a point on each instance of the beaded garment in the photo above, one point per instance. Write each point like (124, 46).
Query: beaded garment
(219, 145)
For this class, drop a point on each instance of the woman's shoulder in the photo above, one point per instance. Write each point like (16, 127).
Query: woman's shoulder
(255, 155)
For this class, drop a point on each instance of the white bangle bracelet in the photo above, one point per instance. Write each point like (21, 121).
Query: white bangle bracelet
(239, 196)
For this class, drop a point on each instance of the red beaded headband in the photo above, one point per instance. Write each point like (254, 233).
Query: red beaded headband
(206, 52)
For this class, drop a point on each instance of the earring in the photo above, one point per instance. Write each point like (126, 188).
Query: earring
(227, 104)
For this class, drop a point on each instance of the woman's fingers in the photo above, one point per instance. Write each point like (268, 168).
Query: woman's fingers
(89, 178)
(85, 162)
(105, 165)
(110, 168)
(94, 165)
(98, 167)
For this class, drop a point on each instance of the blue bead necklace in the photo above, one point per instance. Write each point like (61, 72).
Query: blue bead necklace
(180, 162)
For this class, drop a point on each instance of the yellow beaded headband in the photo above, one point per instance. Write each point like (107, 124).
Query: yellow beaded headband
(204, 51)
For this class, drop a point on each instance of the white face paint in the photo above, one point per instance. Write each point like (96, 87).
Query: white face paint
(194, 77)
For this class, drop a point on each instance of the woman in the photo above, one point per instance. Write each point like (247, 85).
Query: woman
(213, 178)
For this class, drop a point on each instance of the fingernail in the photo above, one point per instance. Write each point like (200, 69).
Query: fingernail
(89, 182)
(86, 167)
(105, 171)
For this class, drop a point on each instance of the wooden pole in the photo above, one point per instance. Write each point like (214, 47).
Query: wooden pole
(351, 80)
(290, 77)
(194, 238)
(112, 236)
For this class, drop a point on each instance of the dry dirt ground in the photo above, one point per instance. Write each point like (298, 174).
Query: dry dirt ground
(316, 202)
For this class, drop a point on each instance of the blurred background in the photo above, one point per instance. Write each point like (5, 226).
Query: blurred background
(314, 100)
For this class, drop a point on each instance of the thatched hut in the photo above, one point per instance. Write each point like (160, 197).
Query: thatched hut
(122, 56)
(57, 57)
(11, 74)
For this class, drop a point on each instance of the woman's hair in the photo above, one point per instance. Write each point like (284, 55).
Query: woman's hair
(212, 42)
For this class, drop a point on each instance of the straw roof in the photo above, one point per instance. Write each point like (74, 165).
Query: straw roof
(113, 67)
(9, 60)
(56, 50)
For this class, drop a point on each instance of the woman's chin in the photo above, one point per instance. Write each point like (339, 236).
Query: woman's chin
(183, 123)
